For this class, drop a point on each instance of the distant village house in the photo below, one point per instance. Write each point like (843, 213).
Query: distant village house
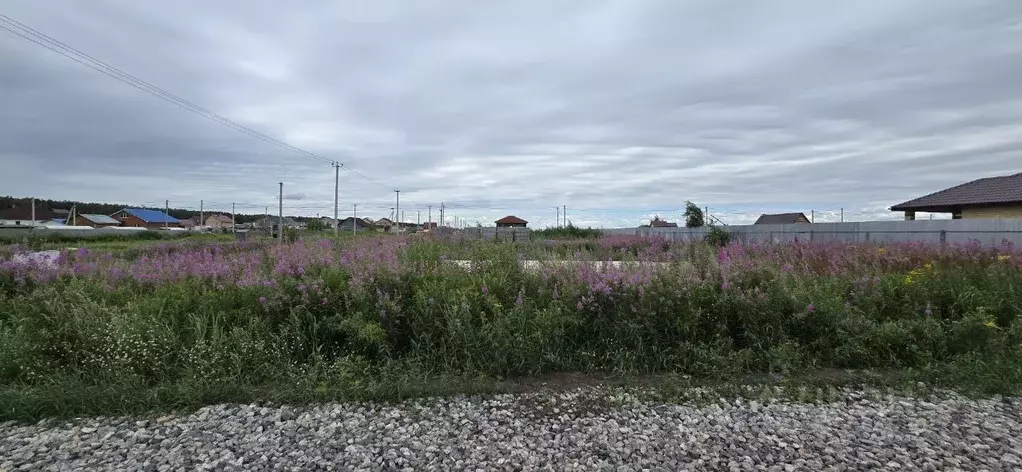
(151, 219)
(218, 221)
(511, 221)
(656, 222)
(96, 221)
(782, 219)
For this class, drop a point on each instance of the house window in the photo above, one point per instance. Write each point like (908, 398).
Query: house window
(956, 215)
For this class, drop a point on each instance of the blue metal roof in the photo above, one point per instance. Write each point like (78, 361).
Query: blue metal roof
(151, 216)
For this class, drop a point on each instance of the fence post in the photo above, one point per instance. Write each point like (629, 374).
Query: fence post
(943, 236)
(810, 235)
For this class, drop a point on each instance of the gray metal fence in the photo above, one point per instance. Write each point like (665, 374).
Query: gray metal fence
(501, 234)
(987, 232)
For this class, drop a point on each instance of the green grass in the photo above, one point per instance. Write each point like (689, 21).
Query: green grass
(79, 345)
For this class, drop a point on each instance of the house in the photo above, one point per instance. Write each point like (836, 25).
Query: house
(187, 223)
(991, 197)
(782, 219)
(328, 222)
(218, 222)
(270, 222)
(656, 222)
(95, 221)
(23, 216)
(429, 225)
(384, 224)
(351, 224)
(151, 219)
(511, 221)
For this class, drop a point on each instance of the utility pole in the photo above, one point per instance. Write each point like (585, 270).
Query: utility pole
(429, 217)
(397, 207)
(337, 186)
(441, 214)
(564, 216)
(280, 214)
(418, 214)
(202, 221)
(166, 219)
(842, 215)
(33, 212)
(234, 224)
(558, 216)
(812, 216)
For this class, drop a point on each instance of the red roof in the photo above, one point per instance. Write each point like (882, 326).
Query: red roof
(511, 220)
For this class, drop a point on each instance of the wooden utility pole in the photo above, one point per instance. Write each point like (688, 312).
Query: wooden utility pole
(280, 214)
(337, 184)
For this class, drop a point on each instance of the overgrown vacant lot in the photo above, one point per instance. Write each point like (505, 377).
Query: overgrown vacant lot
(192, 323)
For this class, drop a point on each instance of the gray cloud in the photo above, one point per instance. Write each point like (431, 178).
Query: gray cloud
(621, 110)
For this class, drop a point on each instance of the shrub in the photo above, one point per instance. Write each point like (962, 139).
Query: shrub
(718, 237)
(218, 322)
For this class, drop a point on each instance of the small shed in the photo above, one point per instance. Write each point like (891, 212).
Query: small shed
(511, 221)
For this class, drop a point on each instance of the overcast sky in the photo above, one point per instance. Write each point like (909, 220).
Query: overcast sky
(618, 109)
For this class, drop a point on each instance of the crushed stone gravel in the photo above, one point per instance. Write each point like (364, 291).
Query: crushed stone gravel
(595, 429)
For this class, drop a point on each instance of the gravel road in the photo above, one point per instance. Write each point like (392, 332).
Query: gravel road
(585, 429)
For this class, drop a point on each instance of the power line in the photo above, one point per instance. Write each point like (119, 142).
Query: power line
(42, 39)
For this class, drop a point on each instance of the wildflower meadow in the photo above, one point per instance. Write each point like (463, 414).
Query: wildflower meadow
(184, 324)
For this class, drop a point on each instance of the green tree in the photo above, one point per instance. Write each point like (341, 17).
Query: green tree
(316, 224)
(693, 215)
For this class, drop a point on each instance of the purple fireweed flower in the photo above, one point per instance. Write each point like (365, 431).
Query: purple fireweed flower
(486, 290)
(519, 301)
(929, 310)
(787, 268)
(579, 305)
(724, 286)
(262, 300)
(811, 308)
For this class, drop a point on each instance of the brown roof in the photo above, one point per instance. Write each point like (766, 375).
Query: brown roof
(511, 220)
(25, 213)
(782, 219)
(987, 191)
(658, 223)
